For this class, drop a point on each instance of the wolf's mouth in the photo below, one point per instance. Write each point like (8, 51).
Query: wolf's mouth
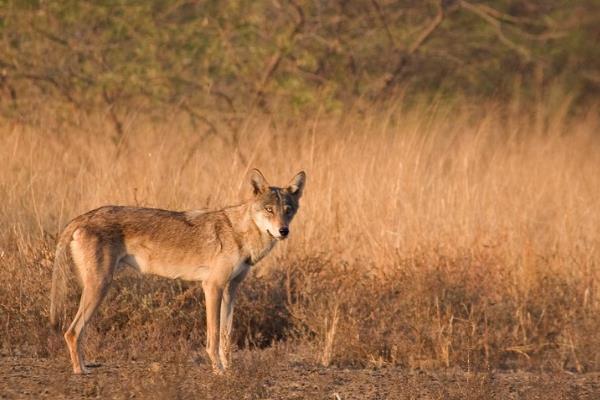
(275, 237)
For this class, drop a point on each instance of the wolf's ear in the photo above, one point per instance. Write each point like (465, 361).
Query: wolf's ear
(297, 184)
(258, 181)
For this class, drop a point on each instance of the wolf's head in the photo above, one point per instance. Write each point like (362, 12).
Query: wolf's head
(274, 207)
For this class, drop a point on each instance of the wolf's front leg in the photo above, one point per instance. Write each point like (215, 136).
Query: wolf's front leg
(227, 318)
(213, 294)
(225, 334)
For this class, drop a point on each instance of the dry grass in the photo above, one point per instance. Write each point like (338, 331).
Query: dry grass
(432, 237)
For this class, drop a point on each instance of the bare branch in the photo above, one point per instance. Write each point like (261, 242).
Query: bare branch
(118, 125)
(429, 29)
(497, 25)
(36, 79)
(384, 23)
(276, 58)
(414, 47)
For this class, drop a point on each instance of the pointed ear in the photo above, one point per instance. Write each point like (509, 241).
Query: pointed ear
(258, 181)
(297, 184)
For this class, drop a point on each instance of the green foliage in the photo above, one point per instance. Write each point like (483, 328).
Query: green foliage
(231, 57)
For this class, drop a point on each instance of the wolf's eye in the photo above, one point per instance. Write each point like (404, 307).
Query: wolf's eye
(269, 209)
(287, 209)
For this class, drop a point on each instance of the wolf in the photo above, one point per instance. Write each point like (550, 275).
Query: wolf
(217, 248)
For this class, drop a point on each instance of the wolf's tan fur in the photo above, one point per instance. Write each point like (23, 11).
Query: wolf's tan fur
(215, 247)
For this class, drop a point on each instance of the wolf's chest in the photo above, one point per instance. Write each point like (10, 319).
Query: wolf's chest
(239, 268)
(259, 253)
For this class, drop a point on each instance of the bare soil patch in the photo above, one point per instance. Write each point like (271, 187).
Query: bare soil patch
(274, 374)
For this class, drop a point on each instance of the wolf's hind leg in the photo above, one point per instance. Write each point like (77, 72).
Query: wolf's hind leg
(91, 297)
(95, 265)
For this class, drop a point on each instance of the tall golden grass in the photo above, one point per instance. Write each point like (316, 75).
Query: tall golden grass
(431, 236)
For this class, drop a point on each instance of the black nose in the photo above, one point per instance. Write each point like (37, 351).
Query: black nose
(284, 231)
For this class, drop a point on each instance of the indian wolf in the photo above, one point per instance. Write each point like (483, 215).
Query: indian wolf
(215, 247)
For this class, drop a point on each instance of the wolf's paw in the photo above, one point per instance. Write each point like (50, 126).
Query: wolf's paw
(218, 369)
(82, 371)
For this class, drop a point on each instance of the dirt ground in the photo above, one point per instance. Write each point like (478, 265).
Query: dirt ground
(275, 374)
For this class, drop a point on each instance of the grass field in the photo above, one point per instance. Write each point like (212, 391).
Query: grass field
(433, 238)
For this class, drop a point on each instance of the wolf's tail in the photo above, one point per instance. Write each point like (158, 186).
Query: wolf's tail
(58, 293)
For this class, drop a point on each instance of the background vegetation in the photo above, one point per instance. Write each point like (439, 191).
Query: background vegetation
(218, 61)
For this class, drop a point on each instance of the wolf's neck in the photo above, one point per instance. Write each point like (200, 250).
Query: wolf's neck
(254, 243)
